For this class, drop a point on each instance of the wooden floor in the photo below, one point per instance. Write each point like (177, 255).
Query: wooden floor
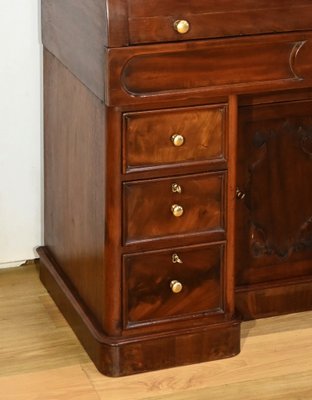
(40, 358)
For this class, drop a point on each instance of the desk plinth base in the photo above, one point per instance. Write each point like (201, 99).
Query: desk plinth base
(126, 356)
(271, 299)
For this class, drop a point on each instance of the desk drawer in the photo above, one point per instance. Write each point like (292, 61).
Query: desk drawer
(164, 284)
(160, 138)
(174, 206)
(148, 73)
(154, 20)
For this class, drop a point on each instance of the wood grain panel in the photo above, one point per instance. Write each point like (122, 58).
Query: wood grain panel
(227, 64)
(77, 31)
(118, 356)
(74, 182)
(274, 220)
(231, 206)
(159, 72)
(74, 31)
(274, 298)
(139, 8)
(147, 277)
(147, 137)
(147, 207)
(153, 21)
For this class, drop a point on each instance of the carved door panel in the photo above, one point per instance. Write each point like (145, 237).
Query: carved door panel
(274, 211)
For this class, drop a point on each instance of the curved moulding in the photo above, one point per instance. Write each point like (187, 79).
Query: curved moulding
(219, 66)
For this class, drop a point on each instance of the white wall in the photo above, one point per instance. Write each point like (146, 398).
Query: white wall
(20, 130)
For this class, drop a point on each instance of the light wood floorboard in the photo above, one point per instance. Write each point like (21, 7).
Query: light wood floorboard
(41, 359)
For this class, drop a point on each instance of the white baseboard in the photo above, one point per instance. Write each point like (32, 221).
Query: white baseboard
(12, 264)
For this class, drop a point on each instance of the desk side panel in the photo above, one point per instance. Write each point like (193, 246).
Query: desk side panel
(75, 182)
(75, 31)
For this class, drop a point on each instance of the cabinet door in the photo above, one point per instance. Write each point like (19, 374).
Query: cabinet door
(274, 205)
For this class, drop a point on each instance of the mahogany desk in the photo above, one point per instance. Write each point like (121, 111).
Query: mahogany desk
(178, 170)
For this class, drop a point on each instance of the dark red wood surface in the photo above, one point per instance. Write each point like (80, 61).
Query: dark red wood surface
(125, 356)
(74, 182)
(240, 65)
(241, 98)
(148, 144)
(274, 234)
(153, 21)
(147, 278)
(147, 207)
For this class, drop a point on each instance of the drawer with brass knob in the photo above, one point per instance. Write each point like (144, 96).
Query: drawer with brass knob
(157, 286)
(154, 139)
(152, 21)
(168, 207)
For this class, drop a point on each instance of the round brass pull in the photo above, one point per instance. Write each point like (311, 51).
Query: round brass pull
(177, 210)
(181, 26)
(177, 140)
(176, 286)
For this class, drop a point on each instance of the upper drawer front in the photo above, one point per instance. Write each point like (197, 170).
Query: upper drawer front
(164, 138)
(162, 208)
(220, 67)
(154, 20)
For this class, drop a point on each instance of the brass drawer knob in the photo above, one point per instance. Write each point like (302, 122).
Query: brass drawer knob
(177, 210)
(176, 286)
(177, 140)
(181, 26)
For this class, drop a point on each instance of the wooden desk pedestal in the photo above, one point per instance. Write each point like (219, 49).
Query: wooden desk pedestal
(178, 170)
